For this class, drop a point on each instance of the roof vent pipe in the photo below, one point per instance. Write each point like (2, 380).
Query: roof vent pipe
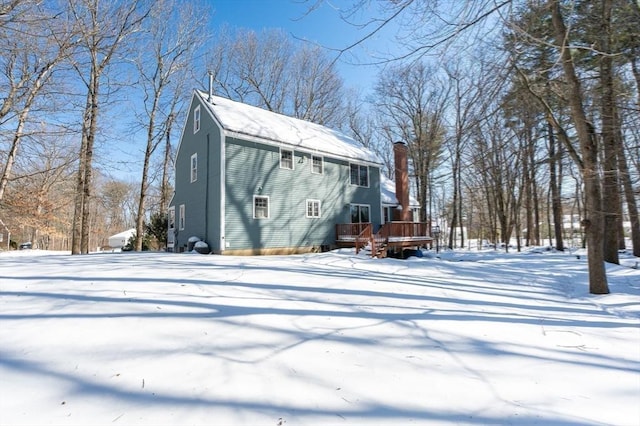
(210, 86)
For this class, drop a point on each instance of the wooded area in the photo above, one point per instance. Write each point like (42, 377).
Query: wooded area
(522, 117)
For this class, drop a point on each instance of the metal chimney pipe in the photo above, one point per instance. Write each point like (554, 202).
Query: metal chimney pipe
(210, 86)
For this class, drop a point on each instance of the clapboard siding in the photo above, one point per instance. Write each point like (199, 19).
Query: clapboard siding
(253, 168)
(204, 194)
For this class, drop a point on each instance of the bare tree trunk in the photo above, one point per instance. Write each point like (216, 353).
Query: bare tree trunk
(80, 201)
(527, 200)
(610, 188)
(459, 207)
(534, 187)
(13, 151)
(454, 202)
(556, 201)
(593, 222)
(164, 190)
(144, 184)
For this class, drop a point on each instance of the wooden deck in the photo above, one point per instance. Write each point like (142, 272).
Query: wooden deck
(392, 236)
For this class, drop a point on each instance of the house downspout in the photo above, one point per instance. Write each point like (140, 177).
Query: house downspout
(206, 197)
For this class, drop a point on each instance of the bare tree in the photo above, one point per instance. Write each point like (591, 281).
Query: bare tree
(412, 99)
(27, 68)
(593, 222)
(470, 93)
(316, 87)
(172, 41)
(271, 71)
(102, 29)
(41, 189)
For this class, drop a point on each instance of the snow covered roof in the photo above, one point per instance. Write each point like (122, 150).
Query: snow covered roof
(247, 120)
(124, 234)
(388, 193)
(121, 239)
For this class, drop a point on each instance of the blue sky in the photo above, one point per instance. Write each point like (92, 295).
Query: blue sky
(322, 26)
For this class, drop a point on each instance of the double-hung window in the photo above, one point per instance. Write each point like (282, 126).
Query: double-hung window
(313, 208)
(196, 119)
(360, 213)
(172, 218)
(260, 207)
(194, 167)
(181, 218)
(359, 175)
(317, 165)
(286, 159)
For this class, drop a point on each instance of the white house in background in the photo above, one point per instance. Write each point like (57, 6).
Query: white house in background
(121, 239)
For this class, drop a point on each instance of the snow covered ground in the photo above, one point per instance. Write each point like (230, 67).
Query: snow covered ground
(320, 339)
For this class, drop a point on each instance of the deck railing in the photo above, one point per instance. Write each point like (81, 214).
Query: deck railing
(405, 230)
(349, 231)
(361, 234)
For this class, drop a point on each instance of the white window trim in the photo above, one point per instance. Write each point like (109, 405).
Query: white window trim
(368, 175)
(268, 206)
(182, 219)
(196, 119)
(293, 159)
(306, 213)
(194, 170)
(313, 156)
(172, 218)
(368, 206)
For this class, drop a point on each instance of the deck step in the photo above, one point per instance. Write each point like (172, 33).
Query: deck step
(381, 252)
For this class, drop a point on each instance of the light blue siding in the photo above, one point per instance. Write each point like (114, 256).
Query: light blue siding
(203, 195)
(253, 168)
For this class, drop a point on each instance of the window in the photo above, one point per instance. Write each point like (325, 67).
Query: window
(260, 207)
(388, 214)
(360, 213)
(194, 167)
(359, 175)
(317, 165)
(172, 218)
(286, 159)
(196, 119)
(313, 208)
(181, 219)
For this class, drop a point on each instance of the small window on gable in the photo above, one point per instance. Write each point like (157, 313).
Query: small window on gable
(313, 208)
(260, 207)
(172, 218)
(181, 218)
(359, 175)
(196, 119)
(286, 159)
(317, 164)
(194, 167)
